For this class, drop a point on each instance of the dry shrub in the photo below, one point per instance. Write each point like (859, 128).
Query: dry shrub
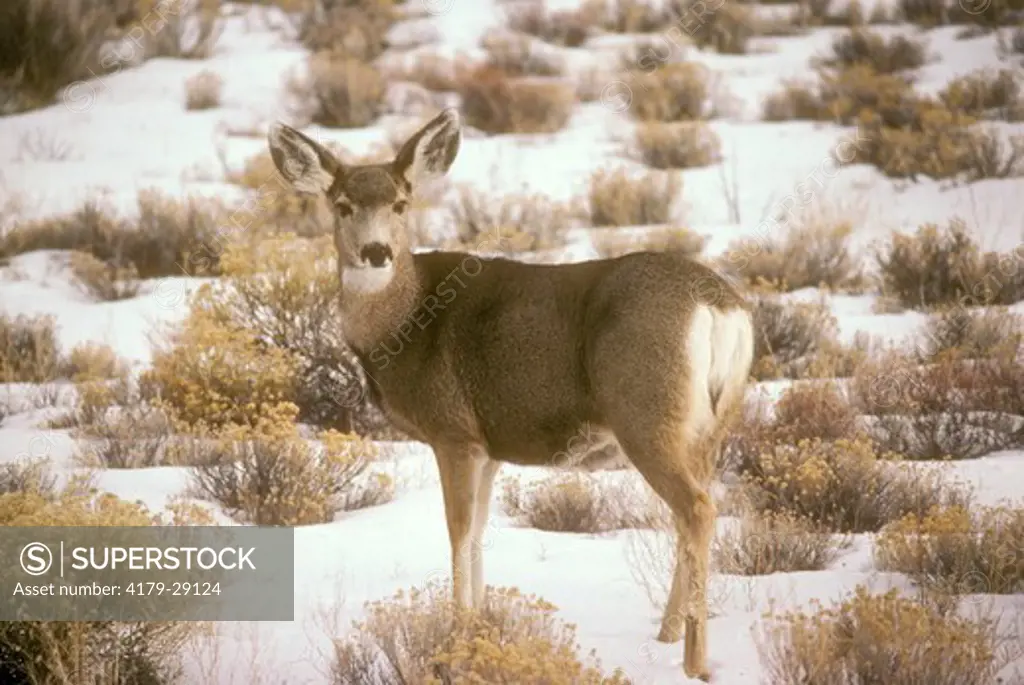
(621, 198)
(956, 551)
(105, 282)
(494, 102)
(613, 244)
(943, 265)
(843, 485)
(727, 30)
(513, 223)
(184, 29)
(46, 45)
(986, 93)
(520, 56)
(884, 55)
(570, 28)
(930, 13)
(804, 411)
(629, 16)
(421, 636)
(947, 410)
(27, 476)
(29, 352)
(114, 653)
(116, 427)
(965, 334)
(576, 502)
(433, 72)
(677, 146)
(168, 237)
(940, 144)
(814, 253)
(677, 91)
(267, 475)
(795, 100)
(340, 92)
(774, 543)
(860, 639)
(349, 28)
(265, 337)
(788, 335)
(202, 90)
(90, 361)
(276, 206)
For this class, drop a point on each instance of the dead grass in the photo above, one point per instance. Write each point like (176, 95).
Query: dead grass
(676, 146)
(29, 351)
(813, 253)
(203, 90)
(621, 198)
(774, 543)
(961, 333)
(862, 47)
(789, 336)
(859, 639)
(420, 636)
(614, 244)
(519, 56)
(986, 94)
(337, 91)
(576, 502)
(678, 91)
(951, 409)
(938, 266)
(354, 29)
(495, 102)
(956, 551)
(570, 28)
(511, 223)
(167, 237)
(188, 29)
(34, 65)
(104, 282)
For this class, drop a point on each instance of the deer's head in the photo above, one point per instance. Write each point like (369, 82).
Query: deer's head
(369, 201)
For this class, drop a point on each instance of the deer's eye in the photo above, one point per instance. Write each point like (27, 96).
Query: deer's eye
(344, 210)
(400, 207)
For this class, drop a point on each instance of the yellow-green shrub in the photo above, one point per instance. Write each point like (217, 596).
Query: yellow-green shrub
(955, 550)
(116, 653)
(420, 636)
(841, 486)
(860, 639)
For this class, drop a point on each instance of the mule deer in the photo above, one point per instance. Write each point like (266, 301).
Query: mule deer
(491, 360)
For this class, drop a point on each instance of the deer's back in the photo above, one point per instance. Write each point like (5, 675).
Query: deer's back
(500, 353)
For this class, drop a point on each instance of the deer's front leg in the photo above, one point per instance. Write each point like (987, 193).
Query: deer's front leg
(460, 470)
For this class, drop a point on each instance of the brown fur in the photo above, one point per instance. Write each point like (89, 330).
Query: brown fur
(492, 361)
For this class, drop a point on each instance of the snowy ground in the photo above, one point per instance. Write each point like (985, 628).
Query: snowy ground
(130, 131)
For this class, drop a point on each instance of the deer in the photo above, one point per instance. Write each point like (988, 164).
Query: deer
(493, 361)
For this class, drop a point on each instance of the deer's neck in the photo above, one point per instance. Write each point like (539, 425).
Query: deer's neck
(370, 316)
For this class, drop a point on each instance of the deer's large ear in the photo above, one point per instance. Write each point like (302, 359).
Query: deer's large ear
(430, 152)
(307, 165)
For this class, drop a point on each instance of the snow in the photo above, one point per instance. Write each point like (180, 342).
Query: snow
(129, 131)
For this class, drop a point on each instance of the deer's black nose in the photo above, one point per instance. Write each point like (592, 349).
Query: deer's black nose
(377, 254)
